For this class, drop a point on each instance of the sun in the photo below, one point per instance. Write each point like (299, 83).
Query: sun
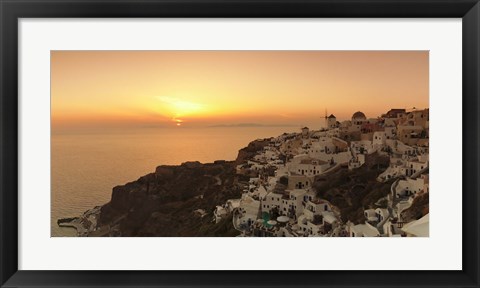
(180, 107)
(177, 121)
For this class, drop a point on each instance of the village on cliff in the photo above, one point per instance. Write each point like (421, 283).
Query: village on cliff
(280, 199)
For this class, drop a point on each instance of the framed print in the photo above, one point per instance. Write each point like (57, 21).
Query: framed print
(232, 143)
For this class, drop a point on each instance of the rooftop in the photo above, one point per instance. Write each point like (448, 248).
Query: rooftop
(359, 115)
(418, 227)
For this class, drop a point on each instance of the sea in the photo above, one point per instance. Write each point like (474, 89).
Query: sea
(86, 165)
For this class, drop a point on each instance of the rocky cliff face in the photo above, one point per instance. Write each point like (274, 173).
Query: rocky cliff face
(418, 209)
(248, 152)
(353, 191)
(162, 203)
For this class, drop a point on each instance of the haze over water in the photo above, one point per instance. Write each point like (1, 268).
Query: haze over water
(87, 165)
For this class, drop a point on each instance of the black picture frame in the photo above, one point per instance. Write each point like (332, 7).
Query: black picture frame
(11, 11)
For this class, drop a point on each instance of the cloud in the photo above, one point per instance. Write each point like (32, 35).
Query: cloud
(181, 107)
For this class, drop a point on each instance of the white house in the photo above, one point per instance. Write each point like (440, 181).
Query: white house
(363, 230)
(315, 207)
(362, 147)
(379, 139)
(219, 213)
(415, 166)
(356, 161)
(370, 215)
(308, 167)
(409, 187)
(382, 214)
(271, 201)
(299, 182)
(248, 210)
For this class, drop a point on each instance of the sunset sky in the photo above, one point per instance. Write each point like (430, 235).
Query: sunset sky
(205, 88)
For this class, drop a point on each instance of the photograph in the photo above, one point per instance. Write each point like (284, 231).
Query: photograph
(239, 143)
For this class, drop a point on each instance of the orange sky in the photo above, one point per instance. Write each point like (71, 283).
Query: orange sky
(201, 88)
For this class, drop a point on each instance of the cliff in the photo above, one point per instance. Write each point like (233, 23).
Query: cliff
(419, 208)
(248, 152)
(162, 203)
(352, 191)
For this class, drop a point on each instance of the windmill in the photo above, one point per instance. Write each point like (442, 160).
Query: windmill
(326, 119)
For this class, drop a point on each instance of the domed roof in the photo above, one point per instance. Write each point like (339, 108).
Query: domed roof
(359, 115)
